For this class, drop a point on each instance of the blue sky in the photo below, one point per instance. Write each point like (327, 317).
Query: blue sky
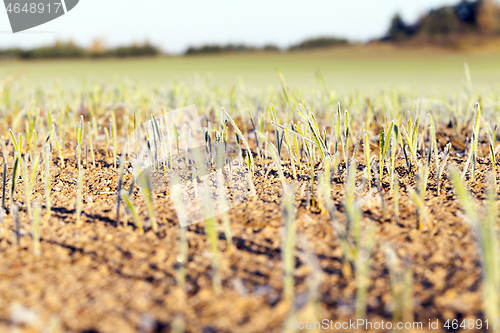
(175, 25)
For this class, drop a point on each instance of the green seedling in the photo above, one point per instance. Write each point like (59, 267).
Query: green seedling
(144, 181)
(27, 188)
(337, 129)
(491, 144)
(4, 174)
(35, 163)
(257, 141)
(212, 236)
(313, 127)
(392, 156)
(247, 147)
(175, 188)
(441, 168)
(137, 220)
(224, 207)
(15, 173)
(135, 135)
(86, 156)
(433, 140)
(91, 145)
(176, 135)
(79, 140)
(384, 147)
(346, 245)
(210, 220)
(18, 144)
(157, 142)
(296, 146)
(288, 247)
(289, 148)
(490, 250)
(411, 136)
(295, 131)
(113, 129)
(315, 278)
(353, 213)
(420, 204)
(61, 118)
(487, 239)
(36, 227)
(79, 198)
(378, 183)
(346, 139)
(277, 162)
(469, 157)
(63, 143)
(279, 138)
(292, 102)
(46, 158)
(356, 146)
(362, 265)
(307, 144)
(59, 148)
(119, 188)
(161, 136)
(367, 161)
(106, 136)
(124, 133)
(266, 155)
(4, 183)
(48, 116)
(425, 176)
(30, 133)
(401, 287)
(253, 192)
(475, 140)
(48, 139)
(463, 195)
(168, 140)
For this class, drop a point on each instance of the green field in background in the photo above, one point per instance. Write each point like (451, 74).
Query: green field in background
(358, 68)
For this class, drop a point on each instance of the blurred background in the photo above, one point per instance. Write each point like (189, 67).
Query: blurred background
(352, 45)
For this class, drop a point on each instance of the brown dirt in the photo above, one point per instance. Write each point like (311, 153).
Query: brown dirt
(107, 277)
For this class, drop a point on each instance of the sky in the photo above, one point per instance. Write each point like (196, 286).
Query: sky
(176, 25)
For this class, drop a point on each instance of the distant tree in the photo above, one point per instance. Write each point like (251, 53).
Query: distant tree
(58, 50)
(271, 48)
(466, 17)
(488, 17)
(322, 42)
(14, 53)
(145, 50)
(398, 29)
(441, 21)
(214, 49)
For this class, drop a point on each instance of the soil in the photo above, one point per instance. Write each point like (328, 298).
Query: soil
(106, 276)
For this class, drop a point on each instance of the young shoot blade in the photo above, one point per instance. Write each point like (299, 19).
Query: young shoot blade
(288, 247)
